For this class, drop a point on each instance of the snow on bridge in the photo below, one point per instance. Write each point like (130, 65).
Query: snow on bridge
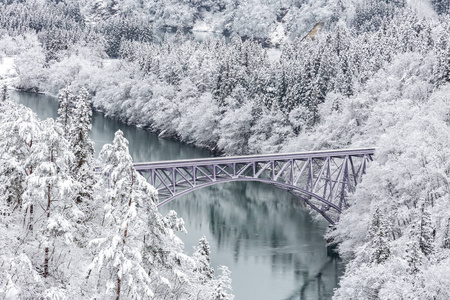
(322, 179)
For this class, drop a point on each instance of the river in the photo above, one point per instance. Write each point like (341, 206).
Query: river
(265, 236)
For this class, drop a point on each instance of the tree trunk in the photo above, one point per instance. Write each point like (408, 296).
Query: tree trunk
(30, 225)
(118, 288)
(46, 256)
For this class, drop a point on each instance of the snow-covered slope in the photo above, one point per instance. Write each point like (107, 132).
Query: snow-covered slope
(8, 72)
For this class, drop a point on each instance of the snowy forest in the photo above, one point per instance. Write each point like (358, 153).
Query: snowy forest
(376, 75)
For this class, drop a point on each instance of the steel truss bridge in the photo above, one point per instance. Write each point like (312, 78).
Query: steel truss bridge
(322, 179)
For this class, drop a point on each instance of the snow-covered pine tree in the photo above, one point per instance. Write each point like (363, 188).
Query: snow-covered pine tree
(83, 147)
(446, 243)
(202, 257)
(120, 257)
(224, 82)
(378, 232)
(223, 286)
(171, 271)
(441, 72)
(426, 230)
(50, 190)
(65, 111)
(4, 95)
(19, 133)
(413, 253)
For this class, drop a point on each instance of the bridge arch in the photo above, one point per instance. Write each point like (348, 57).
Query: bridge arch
(322, 179)
(294, 190)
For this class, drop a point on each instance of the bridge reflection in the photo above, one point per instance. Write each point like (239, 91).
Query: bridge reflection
(268, 239)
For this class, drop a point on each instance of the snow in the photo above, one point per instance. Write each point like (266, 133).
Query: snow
(278, 36)
(423, 8)
(13, 293)
(203, 26)
(165, 281)
(274, 54)
(8, 72)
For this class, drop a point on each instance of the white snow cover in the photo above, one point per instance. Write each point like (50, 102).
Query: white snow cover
(8, 72)
(278, 36)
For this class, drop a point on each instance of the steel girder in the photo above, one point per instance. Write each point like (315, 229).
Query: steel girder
(322, 179)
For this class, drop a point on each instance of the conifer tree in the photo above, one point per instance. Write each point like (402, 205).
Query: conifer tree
(19, 133)
(426, 230)
(202, 256)
(442, 67)
(50, 189)
(65, 111)
(120, 259)
(413, 254)
(446, 243)
(379, 234)
(223, 286)
(4, 95)
(82, 146)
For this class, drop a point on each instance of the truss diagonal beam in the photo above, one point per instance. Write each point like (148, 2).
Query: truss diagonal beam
(322, 179)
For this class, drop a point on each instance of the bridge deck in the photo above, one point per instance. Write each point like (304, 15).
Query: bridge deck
(246, 158)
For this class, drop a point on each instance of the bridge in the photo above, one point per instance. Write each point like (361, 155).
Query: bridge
(322, 179)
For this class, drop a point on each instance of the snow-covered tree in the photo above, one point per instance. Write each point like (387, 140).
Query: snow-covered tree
(427, 231)
(65, 111)
(20, 132)
(82, 146)
(139, 255)
(18, 277)
(446, 242)
(4, 95)
(378, 232)
(202, 257)
(120, 258)
(413, 256)
(50, 190)
(223, 287)
(442, 67)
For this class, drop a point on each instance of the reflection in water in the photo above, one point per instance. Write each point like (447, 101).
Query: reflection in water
(264, 235)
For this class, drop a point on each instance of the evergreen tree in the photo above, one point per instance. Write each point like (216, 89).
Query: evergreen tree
(224, 83)
(49, 188)
(223, 286)
(413, 254)
(378, 232)
(446, 243)
(19, 135)
(120, 259)
(4, 95)
(202, 256)
(441, 6)
(426, 230)
(442, 67)
(83, 147)
(65, 111)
